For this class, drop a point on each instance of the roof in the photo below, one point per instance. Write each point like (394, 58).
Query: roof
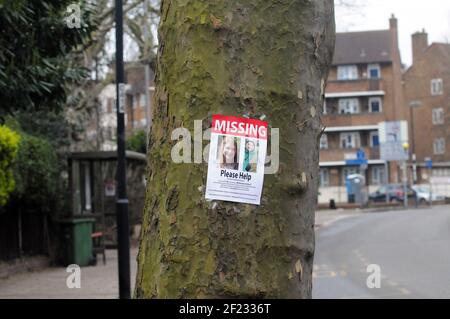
(444, 49)
(105, 156)
(363, 47)
(436, 50)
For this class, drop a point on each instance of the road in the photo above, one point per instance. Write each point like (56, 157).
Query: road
(412, 249)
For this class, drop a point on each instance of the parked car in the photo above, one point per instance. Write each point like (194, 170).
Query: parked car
(394, 192)
(423, 194)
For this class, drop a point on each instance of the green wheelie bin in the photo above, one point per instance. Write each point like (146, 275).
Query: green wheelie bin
(77, 237)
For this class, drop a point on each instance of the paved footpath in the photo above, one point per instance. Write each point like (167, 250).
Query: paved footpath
(99, 282)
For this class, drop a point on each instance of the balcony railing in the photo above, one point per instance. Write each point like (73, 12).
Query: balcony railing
(341, 154)
(335, 119)
(336, 86)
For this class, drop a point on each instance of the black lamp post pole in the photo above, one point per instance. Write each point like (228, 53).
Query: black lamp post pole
(123, 239)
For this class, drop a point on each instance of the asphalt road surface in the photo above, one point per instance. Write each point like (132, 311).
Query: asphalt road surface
(411, 248)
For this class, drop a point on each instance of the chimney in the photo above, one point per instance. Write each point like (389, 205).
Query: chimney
(393, 24)
(393, 27)
(419, 44)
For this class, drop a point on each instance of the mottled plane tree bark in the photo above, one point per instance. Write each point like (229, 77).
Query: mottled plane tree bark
(254, 57)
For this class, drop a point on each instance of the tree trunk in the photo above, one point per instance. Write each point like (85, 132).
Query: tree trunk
(254, 57)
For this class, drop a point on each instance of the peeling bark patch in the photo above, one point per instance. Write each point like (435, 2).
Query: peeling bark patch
(304, 180)
(302, 125)
(172, 199)
(312, 110)
(173, 218)
(217, 23)
(299, 269)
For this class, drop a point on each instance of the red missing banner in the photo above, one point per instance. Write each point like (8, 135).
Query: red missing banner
(239, 126)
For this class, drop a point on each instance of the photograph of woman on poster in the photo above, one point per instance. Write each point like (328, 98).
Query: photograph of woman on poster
(250, 157)
(228, 153)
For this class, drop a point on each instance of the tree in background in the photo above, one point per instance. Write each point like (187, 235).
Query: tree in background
(253, 57)
(36, 60)
(140, 19)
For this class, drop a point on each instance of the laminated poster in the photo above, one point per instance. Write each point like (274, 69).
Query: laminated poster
(236, 159)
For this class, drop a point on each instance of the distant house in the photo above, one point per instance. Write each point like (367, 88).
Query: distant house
(138, 116)
(364, 88)
(427, 95)
(103, 127)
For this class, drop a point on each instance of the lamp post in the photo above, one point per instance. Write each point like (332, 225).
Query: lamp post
(405, 177)
(413, 105)
(123, 239)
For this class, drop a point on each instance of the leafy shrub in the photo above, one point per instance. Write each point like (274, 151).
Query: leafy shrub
(137, 142)
(36, 173)
(9, 145)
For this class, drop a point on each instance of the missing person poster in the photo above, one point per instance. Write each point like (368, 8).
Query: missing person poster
(236, 159)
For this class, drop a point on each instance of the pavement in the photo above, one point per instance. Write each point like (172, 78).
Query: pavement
(97, 282)
(410, 248)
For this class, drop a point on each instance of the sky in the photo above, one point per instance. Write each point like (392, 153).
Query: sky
(412, 15)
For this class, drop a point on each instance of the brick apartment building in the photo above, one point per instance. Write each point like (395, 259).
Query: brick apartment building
(427, 95)
(364, 88)
(138, 117)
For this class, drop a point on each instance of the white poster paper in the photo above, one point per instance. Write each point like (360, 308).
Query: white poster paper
(392, 137)
(236, 159)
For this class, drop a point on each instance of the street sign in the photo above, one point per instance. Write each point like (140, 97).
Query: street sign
(393, 136)
(359, 160)
(110, 188)
(429, 163)
(360, 154)
(122, 98)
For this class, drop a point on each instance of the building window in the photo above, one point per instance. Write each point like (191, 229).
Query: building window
(374, 71)
(437, 87)
(374, 139)
(350, 140)
(134, 101)
(378, 175)
(324, 177)
(348, 106)
(144, 122)
(375, 105)
(324, 142)
(438, 116)
(441, 172)
(142, 100)
(439, 146)
(347, 72)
